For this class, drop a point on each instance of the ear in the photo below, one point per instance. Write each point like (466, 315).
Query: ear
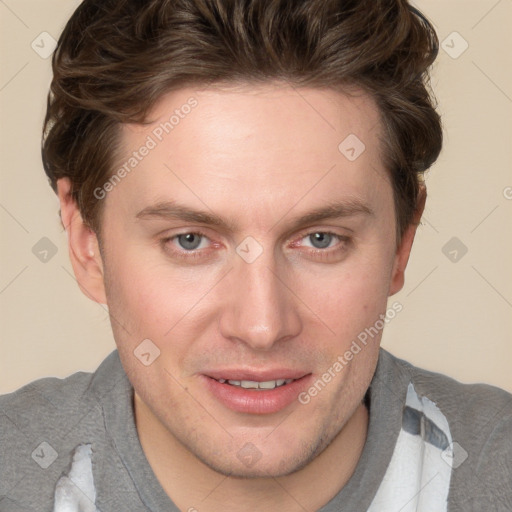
(404, 249)
(83, 245)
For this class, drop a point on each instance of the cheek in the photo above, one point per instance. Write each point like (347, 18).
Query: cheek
(349, 300)
(153, 301)
(141, 302)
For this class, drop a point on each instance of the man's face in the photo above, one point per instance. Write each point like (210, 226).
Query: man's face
(260, 295)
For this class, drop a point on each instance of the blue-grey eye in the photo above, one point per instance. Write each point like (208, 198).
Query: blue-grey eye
(189, 241)
(320, 240)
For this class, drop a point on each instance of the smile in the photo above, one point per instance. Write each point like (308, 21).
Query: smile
(251, 384)
(253, 395)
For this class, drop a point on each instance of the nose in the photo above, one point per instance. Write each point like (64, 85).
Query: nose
(260, 309)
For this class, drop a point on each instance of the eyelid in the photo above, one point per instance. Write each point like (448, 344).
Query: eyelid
(302, 234)
(327, 231)
(187, 232)
(203, 252)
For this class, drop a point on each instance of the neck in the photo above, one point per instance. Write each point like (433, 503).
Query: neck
(192, 485)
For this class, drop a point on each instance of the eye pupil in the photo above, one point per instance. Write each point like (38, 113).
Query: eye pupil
(189, 241)
(320, 240)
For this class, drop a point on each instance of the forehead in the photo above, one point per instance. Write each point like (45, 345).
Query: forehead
(271, 143)
(319, 118)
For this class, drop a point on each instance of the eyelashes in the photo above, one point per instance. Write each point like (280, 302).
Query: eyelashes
(189, 245)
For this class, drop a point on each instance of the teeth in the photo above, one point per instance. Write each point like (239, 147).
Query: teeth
(270, 384)
(251, 384)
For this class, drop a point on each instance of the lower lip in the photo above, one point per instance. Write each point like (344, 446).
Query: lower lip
(256, 401)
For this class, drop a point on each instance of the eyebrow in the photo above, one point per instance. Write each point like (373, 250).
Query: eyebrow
(171, 210)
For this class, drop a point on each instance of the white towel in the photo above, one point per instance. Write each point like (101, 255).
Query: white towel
(418, 476)
(75, 491)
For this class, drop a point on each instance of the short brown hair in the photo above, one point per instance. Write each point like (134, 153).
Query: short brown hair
(116, 58)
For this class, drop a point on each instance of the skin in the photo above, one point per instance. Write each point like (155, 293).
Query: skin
(258, 157)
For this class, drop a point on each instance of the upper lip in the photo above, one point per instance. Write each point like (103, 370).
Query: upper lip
(256, 375)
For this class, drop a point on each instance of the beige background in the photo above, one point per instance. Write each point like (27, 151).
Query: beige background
(457, 316)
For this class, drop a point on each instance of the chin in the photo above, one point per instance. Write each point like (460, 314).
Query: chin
(249, 463)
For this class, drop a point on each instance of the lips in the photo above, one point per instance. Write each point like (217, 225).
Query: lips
(255, 375)
(249, 392)
(252, 384)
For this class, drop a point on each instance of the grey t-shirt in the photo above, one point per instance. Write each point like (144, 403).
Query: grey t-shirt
(433, 444)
